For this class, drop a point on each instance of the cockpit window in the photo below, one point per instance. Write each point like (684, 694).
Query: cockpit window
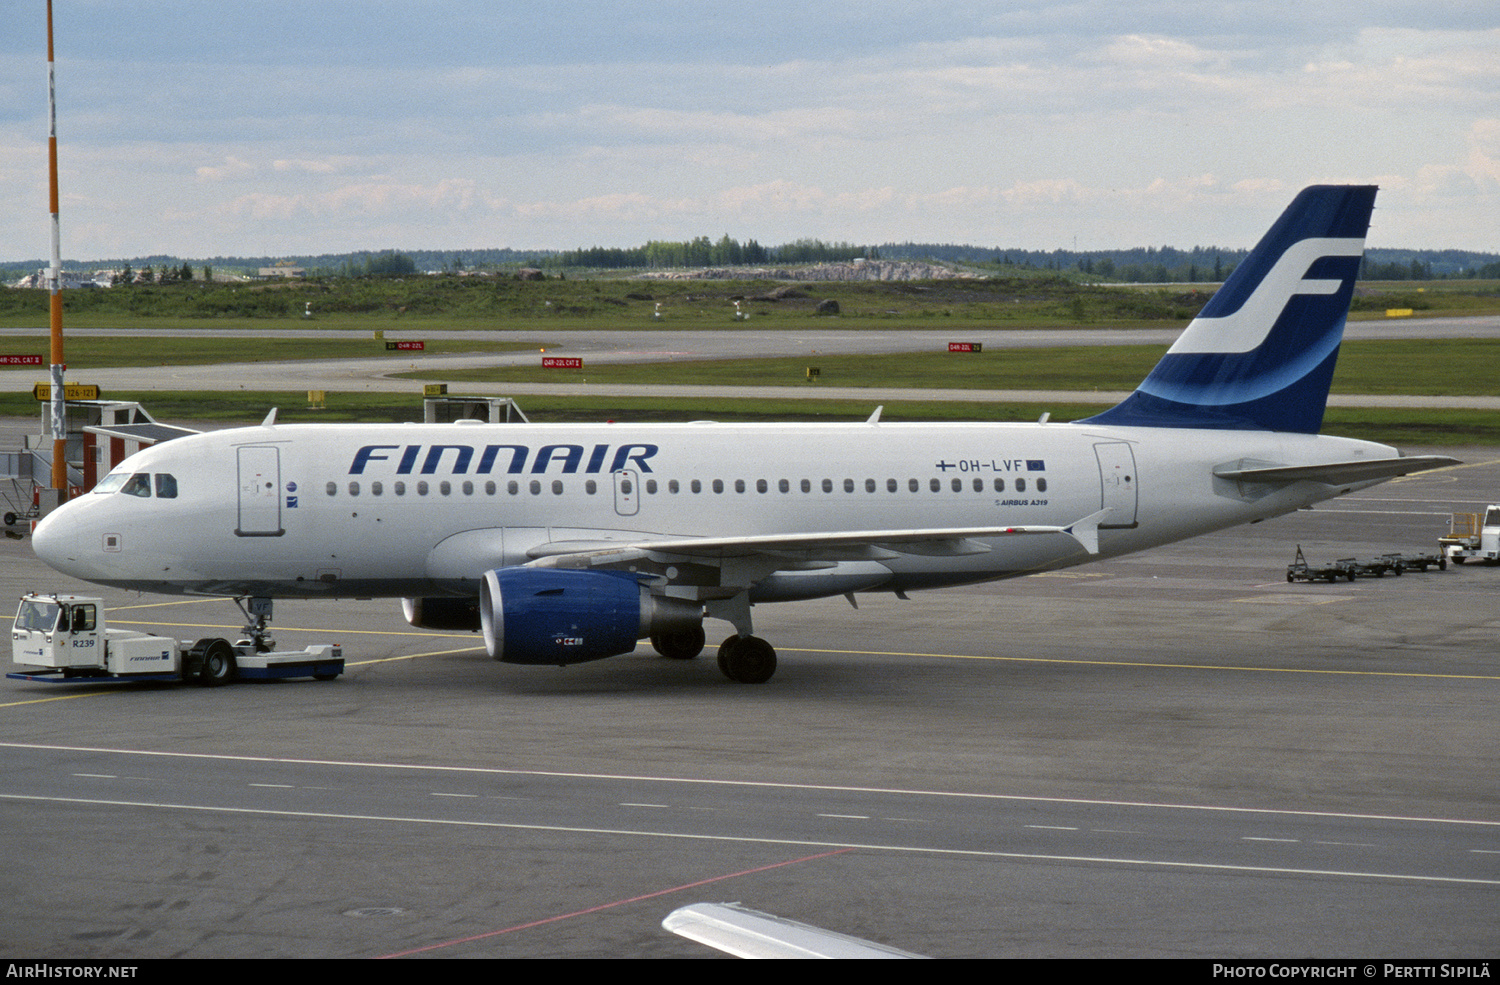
(166, 485)
(138, 485)
(111, 482)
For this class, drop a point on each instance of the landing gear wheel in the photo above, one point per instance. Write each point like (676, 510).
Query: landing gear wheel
(683, 645)
(747, 659)
(218, 664)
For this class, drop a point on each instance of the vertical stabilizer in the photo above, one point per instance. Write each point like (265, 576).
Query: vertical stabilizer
(1261, 354)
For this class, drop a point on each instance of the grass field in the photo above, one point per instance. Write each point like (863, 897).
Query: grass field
(1450, 366)
(548, 309)
(1403, 427)
(457, 303)
(1427, 367)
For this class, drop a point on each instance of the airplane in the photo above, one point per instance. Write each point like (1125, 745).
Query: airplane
(564, 543)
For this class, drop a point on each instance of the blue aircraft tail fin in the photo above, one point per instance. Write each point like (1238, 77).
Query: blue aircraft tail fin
(1261, 354)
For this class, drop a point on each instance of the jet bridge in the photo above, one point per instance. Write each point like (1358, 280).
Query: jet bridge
(444, 409)
(101, 434)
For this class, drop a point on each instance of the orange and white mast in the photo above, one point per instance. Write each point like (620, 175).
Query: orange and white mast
(59, 404)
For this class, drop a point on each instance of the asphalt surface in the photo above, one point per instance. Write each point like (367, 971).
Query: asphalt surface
(1175, 754)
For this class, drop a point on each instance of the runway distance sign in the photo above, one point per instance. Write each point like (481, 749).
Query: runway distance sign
(71, 391)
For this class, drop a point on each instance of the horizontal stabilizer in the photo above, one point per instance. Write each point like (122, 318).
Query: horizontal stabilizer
(1086, 531)
(748, 933)
(1338, 473)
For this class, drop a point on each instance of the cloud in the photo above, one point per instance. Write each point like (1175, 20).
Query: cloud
(614, 124)
(232, 169)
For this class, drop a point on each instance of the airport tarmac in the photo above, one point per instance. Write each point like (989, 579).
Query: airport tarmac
(1174, 754)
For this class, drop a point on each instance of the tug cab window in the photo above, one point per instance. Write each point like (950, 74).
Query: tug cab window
(76, 619)
(39, 617)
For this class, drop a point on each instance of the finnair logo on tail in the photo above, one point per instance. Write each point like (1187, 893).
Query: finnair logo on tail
(1245, 329)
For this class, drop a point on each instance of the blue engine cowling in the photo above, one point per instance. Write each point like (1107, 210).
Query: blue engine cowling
(442, 612)
(554, 616)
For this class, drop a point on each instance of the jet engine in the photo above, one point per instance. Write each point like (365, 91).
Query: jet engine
(447, 613)
(553, 616)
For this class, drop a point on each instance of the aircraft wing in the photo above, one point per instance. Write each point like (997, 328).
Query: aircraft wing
(1336, 473)
(748, 933)
(820, 546)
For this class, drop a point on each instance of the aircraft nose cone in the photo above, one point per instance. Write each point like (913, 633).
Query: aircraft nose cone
(52, 541)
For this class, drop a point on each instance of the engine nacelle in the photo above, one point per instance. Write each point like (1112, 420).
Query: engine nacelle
(442, 612)
(553, 616)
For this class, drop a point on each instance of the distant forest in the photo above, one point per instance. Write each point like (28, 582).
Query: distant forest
(1166, 264)
(1139, 265)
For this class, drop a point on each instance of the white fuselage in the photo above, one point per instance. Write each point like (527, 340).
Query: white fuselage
(413, 510)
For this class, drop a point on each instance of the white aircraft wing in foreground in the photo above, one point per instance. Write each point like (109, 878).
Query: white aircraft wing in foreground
(747, 933)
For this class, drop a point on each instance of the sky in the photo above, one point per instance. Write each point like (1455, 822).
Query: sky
(325, 126)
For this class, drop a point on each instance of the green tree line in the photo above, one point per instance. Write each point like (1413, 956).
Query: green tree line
(703, 252)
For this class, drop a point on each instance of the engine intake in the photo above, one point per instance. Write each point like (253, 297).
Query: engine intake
(551, 616)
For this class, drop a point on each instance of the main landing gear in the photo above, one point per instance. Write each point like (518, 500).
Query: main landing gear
(743, 657)
(681, 645)
(747, 659)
